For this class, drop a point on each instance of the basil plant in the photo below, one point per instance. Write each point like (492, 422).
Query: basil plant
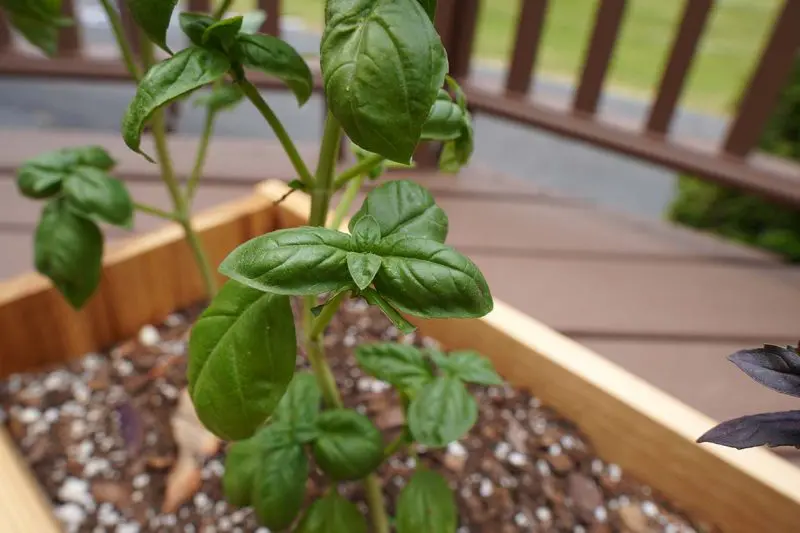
(385, 83)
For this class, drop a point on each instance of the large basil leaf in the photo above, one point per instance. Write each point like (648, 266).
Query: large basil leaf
(772, 366)
(349, 446)
(445, 121)
(68, 249)
(153, 16)
(332, 514)
(69, 158)
(300, 406)
(442, 412)
(95, 194)
(426, 505)
(428, 279)
(403, 207)
(277, 58)
(401, 365)
(770, 429)
(430, 8)
(194, 26)
(382, 64)
(39, 182)
(45, 11)
(242, 354)
(467, 366)
(280, 486)
(37, 20)
(177, 76)
(296, 261)
(399, 321)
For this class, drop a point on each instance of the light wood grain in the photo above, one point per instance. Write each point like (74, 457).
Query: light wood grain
(646, 431)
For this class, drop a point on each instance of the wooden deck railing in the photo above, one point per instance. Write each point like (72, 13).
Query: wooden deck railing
(731, 163)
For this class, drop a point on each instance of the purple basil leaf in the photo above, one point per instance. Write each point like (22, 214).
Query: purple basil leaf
(772, 366)
(131, 427)
(770, 429)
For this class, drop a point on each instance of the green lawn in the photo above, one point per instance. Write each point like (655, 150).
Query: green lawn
(733, 39)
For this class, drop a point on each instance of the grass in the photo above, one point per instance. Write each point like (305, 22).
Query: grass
(730, 47)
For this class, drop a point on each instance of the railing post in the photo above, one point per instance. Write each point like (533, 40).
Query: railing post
(69, 41)
(6, 41)
(272, 25)
(461, 36)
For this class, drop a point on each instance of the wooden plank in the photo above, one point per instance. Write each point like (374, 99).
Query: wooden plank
(673, 79)
(598, 56)
(763, 89)
(526, 47)
(144, 279)
(630, 422)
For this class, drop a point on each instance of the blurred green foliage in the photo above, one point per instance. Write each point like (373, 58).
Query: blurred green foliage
(741, 216)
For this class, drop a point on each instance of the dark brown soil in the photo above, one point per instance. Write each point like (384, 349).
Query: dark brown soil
(98, 436)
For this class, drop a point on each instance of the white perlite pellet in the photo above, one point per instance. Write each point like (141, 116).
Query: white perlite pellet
(650, 509)
(543, 514)
(149, 335)
(486, 488)
(517, 459)
(502, 450)
(456, 449)
(71, 515)
(75, 490)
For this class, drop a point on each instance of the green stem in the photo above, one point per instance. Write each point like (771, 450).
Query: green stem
(374, 493)
(323, 182)
(255, 97)
(222, 9)
(316, 356)
(156, 212)
(122, 42)
(327, 314)
(395, 445)
(168, 177)
(347, 200)
(200, 159)
(362, 167)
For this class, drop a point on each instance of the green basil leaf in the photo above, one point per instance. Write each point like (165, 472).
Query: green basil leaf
(382, 64)
(95, 194)
(457, 153)
(280, 486)
(362, 268)
(46, 11)
(42, 35)
(300, 405)
(253, 21)
(223, 32)
(68, 249)
(349, 446)
(68, 158)
(332, 514)
(194, 26)
(455, 88)
(425, 278)
(362, 154)
(153, 16)
(297, 262)
(403, 366)
(445, 121)
(173, 78)
(442, 412)
(221, 98)
(38, 182)
(242, 354)
(403, 207)
(399, 321)
(430, 8)
(366, 233)
(243, 461)
(277, 58)
(467, 366)
(427, 505)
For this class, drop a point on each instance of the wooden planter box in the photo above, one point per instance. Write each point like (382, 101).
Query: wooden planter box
(647, 432)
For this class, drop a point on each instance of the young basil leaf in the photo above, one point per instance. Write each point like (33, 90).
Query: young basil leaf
(455, 88)
(427, 505)
(457, 153)
(332, 514)
(366, 233)
(363, 268)
(223, 32)
(153, 16)
(39, 182)
(772, 366)
(403, 207)
(277, 58)
(442, 412)
(403, 366)
(467, 366)
(68, 249)
(93, 193)
(382, 64)
(349, 446)
(221, 98)
(280, 487)
(301, 403)
(253, 21)
(770, 429)
(177, 76)
(428, 279)
(296, 262)
(399, 321)
(430, 8)
(445, 121)
(242, 354)
(68, 158)
(194, 26)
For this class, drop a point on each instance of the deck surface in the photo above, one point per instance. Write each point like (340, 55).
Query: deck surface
(666, 303)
